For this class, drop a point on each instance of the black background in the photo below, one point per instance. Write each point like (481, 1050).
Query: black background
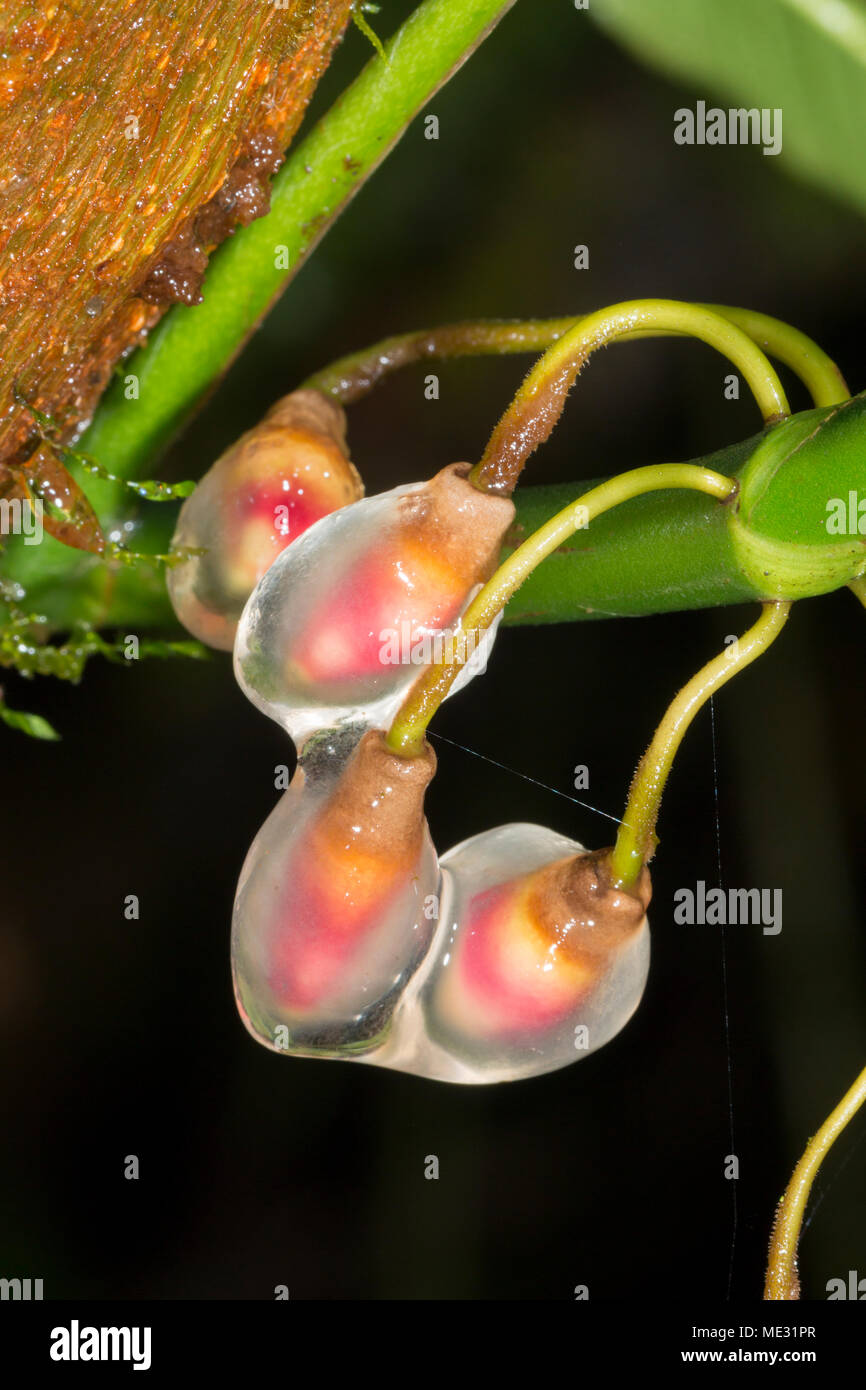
(121, 1037)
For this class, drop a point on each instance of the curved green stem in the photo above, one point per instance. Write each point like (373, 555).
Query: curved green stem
(636, 838)
(353, 376)
(818, 372)
(538, 404)
(782, 1283)
(406, 734)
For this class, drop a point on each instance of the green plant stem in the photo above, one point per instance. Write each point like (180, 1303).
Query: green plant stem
(659, 553)
(406, 735)
(818, 372)
(782, 1283)
(353, 376)
(538, 404)
(191, 347)
(635, 840)
(686, 546)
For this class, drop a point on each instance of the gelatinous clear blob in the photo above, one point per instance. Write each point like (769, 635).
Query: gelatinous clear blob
(332, 914)
(341, 625)
(531, 967)
(258, 498)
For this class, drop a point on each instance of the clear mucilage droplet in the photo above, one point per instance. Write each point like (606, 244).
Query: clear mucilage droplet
(333, 909)
(514, 957)
(342, 624)
(257, 499)
(537, 961)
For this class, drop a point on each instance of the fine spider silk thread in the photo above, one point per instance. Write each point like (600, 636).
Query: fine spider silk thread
(525, 776)
(730, 1069)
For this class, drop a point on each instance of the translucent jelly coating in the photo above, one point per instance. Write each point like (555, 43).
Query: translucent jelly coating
(335, 631)
(537, 961)
(332, 914)
(263, 493)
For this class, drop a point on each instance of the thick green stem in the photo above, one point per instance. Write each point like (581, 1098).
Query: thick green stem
(659, 553)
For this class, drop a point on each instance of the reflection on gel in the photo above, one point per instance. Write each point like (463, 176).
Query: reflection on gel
(329, 921)
(257, 499)
(537, 961)
(329, 633)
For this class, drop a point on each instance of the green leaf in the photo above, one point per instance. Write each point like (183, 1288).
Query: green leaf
(806, 56)
(32, 724)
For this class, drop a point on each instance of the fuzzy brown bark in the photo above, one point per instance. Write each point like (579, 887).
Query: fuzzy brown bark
(134, 136)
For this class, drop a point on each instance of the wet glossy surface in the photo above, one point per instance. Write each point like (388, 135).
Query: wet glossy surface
(257, 499)
(342, 624)
(332, 913)
(503, 994)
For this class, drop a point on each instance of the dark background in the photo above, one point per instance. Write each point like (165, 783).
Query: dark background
(121, 1037)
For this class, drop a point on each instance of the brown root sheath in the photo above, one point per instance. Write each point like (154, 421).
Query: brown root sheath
(378, 805)
(312, 412)
(575, 902)
(303, 425)
(458, 523)
(246, 194)
(522, 429)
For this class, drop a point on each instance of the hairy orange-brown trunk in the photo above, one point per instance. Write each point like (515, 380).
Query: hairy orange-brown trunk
(134, 136)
